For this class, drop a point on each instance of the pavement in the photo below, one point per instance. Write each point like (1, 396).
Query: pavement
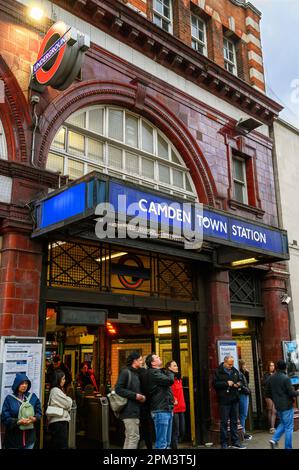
(260, 440)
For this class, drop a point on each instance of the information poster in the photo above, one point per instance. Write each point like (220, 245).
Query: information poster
(228, 348)
(21, 354)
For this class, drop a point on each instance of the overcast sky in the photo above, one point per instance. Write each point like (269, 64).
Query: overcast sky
(280, 42)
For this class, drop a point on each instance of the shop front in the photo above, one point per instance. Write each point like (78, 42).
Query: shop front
(153, 294)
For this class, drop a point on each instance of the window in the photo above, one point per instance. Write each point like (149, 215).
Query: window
(240, 183)
(118, 142)
(162, 15)
(230, 59)
(198, 34)
(3, 147)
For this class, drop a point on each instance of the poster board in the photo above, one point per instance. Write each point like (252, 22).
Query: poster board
(291, 356)
(228, 348)
(21, 354)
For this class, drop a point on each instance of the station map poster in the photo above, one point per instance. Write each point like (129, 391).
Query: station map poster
(21, 354)
(228, 348)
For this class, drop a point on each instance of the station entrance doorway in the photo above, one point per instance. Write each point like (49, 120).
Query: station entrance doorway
(105, 349)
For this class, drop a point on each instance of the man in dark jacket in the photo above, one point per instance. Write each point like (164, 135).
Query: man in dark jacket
(128, 386)
(227, 383)
(281, 391)
(161, 402)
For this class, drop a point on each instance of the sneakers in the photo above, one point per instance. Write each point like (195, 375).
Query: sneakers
(272, 430)
(238, 446)
(247, 437)
(273, 444)
(224, 446)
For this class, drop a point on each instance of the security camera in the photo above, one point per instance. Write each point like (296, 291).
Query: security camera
(285, 299)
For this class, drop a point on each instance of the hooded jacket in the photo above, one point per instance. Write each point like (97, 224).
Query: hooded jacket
(14, 437)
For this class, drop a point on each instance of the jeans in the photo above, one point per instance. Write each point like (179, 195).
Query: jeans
(243, 409)
(163, 427)
(286, 425)
(178, 428)
(131, 432)
(229, 412)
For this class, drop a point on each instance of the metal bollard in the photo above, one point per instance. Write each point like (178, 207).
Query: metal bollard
(72, 426)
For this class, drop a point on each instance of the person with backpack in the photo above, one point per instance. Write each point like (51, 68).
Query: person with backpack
(128, 386)
(20, 413)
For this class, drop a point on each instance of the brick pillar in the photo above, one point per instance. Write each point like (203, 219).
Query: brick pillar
(215, 41)
(20, 274)
(276, 326)
(219, 309)
(182, 20)
(242, 60)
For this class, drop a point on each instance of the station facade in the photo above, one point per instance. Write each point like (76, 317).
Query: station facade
(169, 106)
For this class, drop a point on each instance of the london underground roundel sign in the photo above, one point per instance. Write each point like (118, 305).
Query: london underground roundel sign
(60, 57)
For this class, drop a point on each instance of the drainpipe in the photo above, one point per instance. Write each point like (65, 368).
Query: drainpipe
(35, 119)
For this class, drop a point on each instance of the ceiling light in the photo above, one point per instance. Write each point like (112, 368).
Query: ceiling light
(115, 255)
(239, 324)
(242, 262)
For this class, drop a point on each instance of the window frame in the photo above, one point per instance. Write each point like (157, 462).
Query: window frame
(163, 17)
(238, 181)
(204, 43)
(174, 160)
(227, 61)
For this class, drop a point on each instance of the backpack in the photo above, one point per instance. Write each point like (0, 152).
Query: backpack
(117, 402)
(25, 411)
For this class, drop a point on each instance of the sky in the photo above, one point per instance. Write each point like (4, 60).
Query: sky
(280, 43)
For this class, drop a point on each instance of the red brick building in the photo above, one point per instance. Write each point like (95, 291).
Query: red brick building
(164, 101)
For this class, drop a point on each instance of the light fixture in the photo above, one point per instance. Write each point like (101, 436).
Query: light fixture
(242, 262)
(285, 299)
(245, 126)
(239, 324)
(36, 13)
(115, 255)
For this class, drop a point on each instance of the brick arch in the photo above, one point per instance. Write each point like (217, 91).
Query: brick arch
(94, 92)
(14, 115)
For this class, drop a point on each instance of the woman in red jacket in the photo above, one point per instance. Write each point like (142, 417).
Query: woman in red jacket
(178, 424)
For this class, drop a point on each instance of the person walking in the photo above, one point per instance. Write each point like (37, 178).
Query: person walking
(271, 411)
(178, 424)
(244, 397)
(280, 389)
(20, 431)
(161, 400)
(128, 386)
(59, 425)
(227, 383)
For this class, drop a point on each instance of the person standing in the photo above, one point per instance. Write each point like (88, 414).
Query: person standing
(128, 386)
(59, 425)
(178, 425)
(282, 392)
(244, 397)
(16, 435)
(271, 411)
(86, 377)
(161, 400)
(227, 383)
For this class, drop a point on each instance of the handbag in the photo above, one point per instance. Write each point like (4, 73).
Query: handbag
(54, 411)
(117, 402)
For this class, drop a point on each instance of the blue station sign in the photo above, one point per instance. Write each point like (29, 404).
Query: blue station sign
(80, 200)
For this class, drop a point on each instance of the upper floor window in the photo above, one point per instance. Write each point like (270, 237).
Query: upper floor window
(3, 147)
(230, 58)
(198, 33)
(239, 179)
(162, 14)
(117, 142)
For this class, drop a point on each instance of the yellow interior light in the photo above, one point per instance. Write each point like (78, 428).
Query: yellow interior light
(242, 262)
(239, 324)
